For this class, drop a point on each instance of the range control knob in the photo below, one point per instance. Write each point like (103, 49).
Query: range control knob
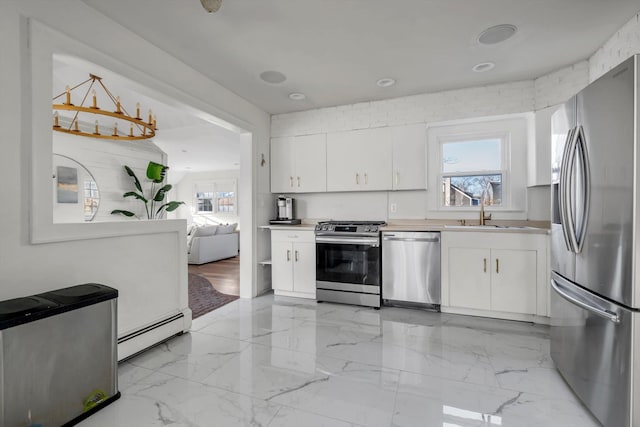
(374, 228)
(366, 228)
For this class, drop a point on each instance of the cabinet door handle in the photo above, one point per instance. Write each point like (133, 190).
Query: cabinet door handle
(357, 179)
(485, 264)
(291, 181)
(397, 178)
(298, 182)
(497, 265)
(296, 256)
(365, 178)
(288, 255)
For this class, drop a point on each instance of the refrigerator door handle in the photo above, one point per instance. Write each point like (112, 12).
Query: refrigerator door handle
(557, 285)
(563, 189)
(581, 148)
(569, 186)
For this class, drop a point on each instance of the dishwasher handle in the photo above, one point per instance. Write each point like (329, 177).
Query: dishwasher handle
(412, 239)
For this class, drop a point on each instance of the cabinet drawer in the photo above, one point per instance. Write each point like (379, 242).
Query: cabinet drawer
(293, 235)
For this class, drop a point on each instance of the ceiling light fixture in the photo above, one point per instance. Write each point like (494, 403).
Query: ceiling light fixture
(273, 77)
(386, 82)
(211, 6)
(297, 96)
(70, 115)
(483, 66)
(497, 34)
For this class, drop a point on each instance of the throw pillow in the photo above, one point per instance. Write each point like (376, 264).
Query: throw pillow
(227, 229)
(207, 230)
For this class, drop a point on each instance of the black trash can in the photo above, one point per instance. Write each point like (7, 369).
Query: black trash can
(58, 359)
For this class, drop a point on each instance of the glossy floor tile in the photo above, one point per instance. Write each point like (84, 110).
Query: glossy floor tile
(279, 362)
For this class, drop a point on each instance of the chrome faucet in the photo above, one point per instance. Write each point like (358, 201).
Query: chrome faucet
(483, 217)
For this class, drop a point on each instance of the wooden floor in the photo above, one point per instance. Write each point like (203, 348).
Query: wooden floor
(224, 275)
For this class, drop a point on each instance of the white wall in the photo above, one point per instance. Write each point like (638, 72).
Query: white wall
(105, 160)
(152, 284)
(483, 101)
(493, 100)
(185, 190)
(624, 43)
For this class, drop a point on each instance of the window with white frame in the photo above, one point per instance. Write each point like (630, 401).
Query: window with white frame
(217, 196)
(471, 161)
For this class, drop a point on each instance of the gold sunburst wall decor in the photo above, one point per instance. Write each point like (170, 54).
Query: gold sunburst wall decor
(84, 120)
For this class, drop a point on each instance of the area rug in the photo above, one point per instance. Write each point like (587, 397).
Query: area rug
(203, 297)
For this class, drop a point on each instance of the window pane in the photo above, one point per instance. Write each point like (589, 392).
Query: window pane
(225, 201)
(205, 205)
(470, 156)
(468, 190)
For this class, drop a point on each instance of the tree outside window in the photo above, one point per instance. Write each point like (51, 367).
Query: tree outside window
(472, 170)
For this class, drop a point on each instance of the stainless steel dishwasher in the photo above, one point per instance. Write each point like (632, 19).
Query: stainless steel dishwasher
(411, 269)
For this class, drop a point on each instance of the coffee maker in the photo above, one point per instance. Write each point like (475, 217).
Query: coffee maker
(285, 211)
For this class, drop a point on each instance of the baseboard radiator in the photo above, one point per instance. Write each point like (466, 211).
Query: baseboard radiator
(148, 336)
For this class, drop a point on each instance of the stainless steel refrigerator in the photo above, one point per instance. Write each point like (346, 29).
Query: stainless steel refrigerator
(595, 295)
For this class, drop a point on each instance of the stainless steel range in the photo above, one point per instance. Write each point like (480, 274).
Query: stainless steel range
(348, 260)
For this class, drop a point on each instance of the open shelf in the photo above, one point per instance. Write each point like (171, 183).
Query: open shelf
(265, 262)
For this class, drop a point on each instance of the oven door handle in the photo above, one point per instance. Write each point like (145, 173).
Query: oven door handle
(349, 241)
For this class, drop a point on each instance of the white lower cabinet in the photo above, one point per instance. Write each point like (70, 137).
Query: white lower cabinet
(494, 274)
(513, 280)
(469, 283)
(293, 263)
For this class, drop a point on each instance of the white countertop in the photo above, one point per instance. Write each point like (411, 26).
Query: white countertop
(303, 226)
(529, 227)
(466, 228)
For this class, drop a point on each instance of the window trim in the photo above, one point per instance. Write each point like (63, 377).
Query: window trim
(520, 129)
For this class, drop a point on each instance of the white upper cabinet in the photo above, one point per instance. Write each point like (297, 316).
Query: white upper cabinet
(378, 159)
(409, 157)
(311, 163)
(299, 164)
(359, 160)
(282, 165)
(539, 153)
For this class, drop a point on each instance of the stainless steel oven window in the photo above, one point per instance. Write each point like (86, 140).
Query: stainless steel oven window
(348, 263)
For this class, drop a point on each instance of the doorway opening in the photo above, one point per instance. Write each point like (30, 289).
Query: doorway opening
(204, 158)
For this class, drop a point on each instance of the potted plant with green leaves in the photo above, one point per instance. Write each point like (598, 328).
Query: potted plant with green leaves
(154, 203)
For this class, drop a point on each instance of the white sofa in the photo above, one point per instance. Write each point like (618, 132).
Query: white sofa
(212, 243)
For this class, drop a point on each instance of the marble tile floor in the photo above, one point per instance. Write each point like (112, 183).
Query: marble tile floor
(277, 362)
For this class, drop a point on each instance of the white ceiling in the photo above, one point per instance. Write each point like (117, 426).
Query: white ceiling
(335, 50)
(192, 143)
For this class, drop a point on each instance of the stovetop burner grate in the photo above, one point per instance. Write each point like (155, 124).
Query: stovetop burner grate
(332, 222)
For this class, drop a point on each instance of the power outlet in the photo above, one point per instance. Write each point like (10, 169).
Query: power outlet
(393, 208)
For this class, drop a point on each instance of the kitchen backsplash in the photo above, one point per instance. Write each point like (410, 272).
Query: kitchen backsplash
(390, 205)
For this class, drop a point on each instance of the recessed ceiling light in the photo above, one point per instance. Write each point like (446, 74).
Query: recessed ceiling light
(184, 151)
(273, 77)
(497, 34)
(188, 167)
(483, 66)
(386, 82)
(297, 96)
